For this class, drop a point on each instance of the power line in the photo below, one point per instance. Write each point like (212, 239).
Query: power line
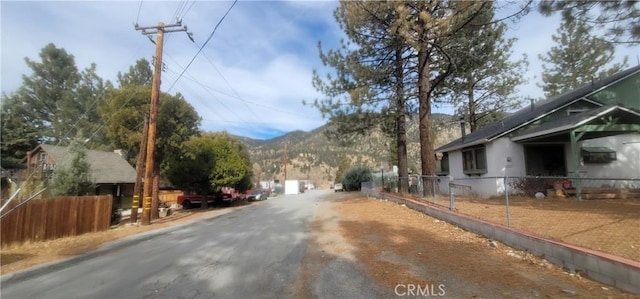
(139, 9)
(203, 45)
(181, 6)
(215, 97)
(190, 77)
(229, 85)
(188, 9)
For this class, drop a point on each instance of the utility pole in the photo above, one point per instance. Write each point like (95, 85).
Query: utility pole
(135, 204)
(285, 161)
(159, 30)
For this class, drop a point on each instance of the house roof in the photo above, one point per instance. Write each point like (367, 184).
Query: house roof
(566, 124)
(106, 167)
(527, 115)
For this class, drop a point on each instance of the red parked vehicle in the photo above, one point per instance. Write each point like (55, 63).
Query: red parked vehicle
(225, 196)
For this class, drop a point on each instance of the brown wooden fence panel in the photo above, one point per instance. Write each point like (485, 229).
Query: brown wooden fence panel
(51, 218)
(169, 196)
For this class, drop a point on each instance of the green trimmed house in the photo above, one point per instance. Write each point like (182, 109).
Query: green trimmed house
(589, 132)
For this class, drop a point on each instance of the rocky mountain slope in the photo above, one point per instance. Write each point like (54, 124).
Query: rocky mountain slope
(311, 155)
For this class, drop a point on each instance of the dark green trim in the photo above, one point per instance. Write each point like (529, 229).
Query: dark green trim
(475, 171)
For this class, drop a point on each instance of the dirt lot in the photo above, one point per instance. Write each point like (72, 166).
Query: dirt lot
(609, 226)
(397, 245)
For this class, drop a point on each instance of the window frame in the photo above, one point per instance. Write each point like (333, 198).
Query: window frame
(445, 166)
(598, 155)
(474, 152)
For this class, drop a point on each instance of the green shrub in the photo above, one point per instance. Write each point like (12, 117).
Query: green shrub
(355, 176)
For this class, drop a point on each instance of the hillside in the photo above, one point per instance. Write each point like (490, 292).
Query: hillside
(311, 155)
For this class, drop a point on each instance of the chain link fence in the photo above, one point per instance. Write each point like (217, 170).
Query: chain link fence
(597, 213)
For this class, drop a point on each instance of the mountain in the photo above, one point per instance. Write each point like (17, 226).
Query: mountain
(311, 155)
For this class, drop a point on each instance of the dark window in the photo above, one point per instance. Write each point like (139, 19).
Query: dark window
(474, 160)
(598, 155)
(443, 164)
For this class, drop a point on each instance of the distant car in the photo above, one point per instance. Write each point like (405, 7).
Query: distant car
(257, 195)
(338, 187)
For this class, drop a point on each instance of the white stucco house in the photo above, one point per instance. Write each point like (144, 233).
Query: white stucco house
(589, 132)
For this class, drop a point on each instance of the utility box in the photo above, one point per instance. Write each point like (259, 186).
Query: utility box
(291, 187)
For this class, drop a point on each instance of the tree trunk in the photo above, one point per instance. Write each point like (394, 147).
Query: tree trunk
(473, 117)
(401, 126)
(427, 155)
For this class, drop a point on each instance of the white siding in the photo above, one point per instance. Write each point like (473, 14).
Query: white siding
(491, 183)
(627, 163)
(498, 152)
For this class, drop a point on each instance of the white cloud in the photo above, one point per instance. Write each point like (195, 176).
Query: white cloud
(266, 51)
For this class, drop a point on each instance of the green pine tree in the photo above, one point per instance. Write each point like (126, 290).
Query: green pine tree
(72, 177)
(577, 58)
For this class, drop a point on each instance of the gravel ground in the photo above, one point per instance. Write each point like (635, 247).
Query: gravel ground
(609, 226)
(400, 249)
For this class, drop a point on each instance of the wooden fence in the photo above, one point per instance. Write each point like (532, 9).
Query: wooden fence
(51, 218)
(169, 196)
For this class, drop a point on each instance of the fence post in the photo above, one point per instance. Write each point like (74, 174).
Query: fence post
(433, 183)
(506, 194)
(451, 195)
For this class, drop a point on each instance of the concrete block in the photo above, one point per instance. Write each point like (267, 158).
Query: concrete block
(485, 230)
(499, 234)
(547, 249)
(601, 277)
(554, 260)
(580, 260)
(536, 246)
(613, 270)
(629, 287)
(563, 254)
(529, 244)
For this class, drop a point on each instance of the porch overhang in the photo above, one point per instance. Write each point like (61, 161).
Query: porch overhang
(597, 123)
(601, 122)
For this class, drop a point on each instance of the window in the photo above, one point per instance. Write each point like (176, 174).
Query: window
(442, 163)
(42, 157)
(598, 155)
(474, 160)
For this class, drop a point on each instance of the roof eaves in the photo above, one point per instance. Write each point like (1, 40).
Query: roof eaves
(570, 126)
(463, 145)
(545, 132)
(583, 98)
(584, 92)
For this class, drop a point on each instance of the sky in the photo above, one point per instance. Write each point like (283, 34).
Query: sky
(252, 76)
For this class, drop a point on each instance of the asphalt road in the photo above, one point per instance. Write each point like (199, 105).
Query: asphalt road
(253, 252)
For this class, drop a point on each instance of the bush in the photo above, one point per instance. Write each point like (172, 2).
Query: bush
(530, 186)
(355, 176)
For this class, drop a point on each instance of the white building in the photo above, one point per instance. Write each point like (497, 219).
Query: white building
(592, 131)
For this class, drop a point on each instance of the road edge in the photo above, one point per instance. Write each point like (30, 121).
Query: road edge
(105, 248)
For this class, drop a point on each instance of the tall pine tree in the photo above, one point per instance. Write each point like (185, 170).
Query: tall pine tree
(577, 58)
(483, 84)
(619, 18)
(368, 90)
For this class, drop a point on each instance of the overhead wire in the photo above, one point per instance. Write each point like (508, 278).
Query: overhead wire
(203, 45)
(190, 77)
(181, 6)
(188, 9)
(139, 9)
(237, 95)
(216, 98)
